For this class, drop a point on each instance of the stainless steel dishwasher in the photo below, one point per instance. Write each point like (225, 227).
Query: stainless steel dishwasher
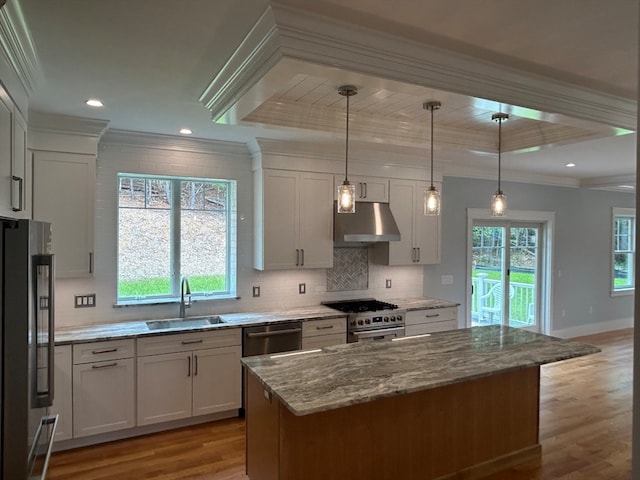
(275, 338)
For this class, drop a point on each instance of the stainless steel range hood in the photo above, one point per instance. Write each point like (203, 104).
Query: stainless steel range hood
(372, 222)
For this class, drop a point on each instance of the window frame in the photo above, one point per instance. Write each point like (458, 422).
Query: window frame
(175, 221)
(616, 213)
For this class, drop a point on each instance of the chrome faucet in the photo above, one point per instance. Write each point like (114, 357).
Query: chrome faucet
(184, 289)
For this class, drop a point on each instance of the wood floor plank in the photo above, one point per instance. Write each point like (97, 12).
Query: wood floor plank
(585, 432)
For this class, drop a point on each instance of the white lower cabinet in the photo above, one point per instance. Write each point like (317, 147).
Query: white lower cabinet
(103, 387)
(419, 322)
(62, 392)
(324, 333)
(189, 374)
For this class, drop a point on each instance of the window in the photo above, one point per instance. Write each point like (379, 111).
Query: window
(624, 249)
(169, 228)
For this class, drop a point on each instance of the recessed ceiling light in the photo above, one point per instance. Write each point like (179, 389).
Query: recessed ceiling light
(94, 102)
(570, 165)
(186, 131)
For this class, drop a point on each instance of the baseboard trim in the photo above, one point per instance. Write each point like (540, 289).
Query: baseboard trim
(593, 328)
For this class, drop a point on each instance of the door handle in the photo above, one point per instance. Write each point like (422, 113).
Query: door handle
(302, 262)
(365, 189)
(189, 366)
(189, 342)
(297, 257)
(106, 350)
(195, 365)
(273, 333)
(418, 249)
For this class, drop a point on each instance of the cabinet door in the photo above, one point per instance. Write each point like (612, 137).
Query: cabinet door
(6, 153)
(20, 170)
(368, 189)
(321, 341)
(103, 397)
(403, 205)
(216, 380)
(279, 220)
(63, 186)
(426, 230)
(164, 387)
(63, 395)
(316, 220)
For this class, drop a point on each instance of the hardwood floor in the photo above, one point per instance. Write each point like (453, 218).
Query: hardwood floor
(585, 432)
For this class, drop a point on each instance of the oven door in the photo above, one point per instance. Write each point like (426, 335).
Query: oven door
(379, 334)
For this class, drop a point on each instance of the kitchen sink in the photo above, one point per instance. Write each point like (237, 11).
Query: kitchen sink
(184, 322)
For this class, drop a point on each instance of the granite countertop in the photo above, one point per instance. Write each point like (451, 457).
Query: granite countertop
(342, 375)
(133, 329)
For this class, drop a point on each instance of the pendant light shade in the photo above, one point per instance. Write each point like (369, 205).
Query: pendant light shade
(499, 200)
(431, 195)
(346, 191)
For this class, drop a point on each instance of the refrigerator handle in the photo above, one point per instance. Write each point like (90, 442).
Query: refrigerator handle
(47, 260)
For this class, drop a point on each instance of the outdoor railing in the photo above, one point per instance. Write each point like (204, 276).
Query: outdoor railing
(486, 302)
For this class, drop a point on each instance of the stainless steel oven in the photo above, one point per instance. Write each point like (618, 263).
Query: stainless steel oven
(369, 319)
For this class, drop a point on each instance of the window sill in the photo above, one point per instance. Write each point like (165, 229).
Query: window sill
(167, 301)
(622, 293)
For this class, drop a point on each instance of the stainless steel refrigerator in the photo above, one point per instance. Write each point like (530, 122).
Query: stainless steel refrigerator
(26, 348)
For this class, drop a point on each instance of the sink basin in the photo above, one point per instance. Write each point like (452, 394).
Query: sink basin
(183, 322)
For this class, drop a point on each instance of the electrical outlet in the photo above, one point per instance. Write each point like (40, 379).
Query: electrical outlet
(84, 301)
(387, 283)
(256, 291)
(302, 288)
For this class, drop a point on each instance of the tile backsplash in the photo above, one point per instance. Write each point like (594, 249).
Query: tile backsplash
(350, 269)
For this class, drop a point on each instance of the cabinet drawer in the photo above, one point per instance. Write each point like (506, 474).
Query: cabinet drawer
(101, 351)
(416, 317)
(186, 342)
(324, 327)
(430, 327)
(320, 341)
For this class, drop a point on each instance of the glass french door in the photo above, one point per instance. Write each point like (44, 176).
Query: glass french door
(506, 274)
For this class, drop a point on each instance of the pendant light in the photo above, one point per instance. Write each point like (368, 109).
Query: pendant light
(431, 195)
(499, 202)
(346, 191)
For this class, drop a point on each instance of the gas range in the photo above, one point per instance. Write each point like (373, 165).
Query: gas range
(370, 319)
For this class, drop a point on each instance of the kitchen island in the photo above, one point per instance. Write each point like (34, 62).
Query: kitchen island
(463, 402)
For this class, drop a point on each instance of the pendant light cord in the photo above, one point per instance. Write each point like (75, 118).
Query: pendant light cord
(346, 155)
(431, 147)
(499, 149)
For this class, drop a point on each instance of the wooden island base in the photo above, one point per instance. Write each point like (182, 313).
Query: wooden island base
(463, 431)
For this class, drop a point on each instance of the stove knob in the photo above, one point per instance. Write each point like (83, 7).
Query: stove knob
(367, 321)
(399, 318)
(353, 323)
(386, 319)
(393, 318)
(359, 322)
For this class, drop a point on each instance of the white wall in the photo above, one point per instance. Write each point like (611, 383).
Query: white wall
(582, 259)
(167, 156)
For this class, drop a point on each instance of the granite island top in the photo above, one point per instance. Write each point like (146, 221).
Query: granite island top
(342, 375)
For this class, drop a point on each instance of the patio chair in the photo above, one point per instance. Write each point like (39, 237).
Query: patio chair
(491, 304)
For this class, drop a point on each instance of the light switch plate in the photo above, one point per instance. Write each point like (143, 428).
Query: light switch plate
(84, 301)
(302, 288)
(387, 283)
(256, 291)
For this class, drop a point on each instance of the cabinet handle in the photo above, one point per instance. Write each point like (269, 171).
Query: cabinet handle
(413, 254)
(189, 342)
(418, 249)
(302, 263)
(361, 190)
(432, 315)
(297, 257)
(324, 327)
(106, 350)
(20, 181)
(188, 366)
(90, 262)
(365, 190)
(195, 365)
(105, 365)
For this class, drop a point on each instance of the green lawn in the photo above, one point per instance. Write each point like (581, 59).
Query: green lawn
(517, 277)
(161, 286)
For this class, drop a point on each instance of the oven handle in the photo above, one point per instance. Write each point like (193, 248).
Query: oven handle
(273, 332)
(377, 332)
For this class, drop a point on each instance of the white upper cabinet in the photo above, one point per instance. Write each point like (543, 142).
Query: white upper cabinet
(15, 181)
(368, 189)
(420, 234)
(293, 220)
(64, 186)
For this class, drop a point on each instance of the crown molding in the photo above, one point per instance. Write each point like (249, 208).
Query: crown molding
(611, 182)
(283, 32)
(18, 47)
(465, 171)
(66, 124)
(172, 143)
